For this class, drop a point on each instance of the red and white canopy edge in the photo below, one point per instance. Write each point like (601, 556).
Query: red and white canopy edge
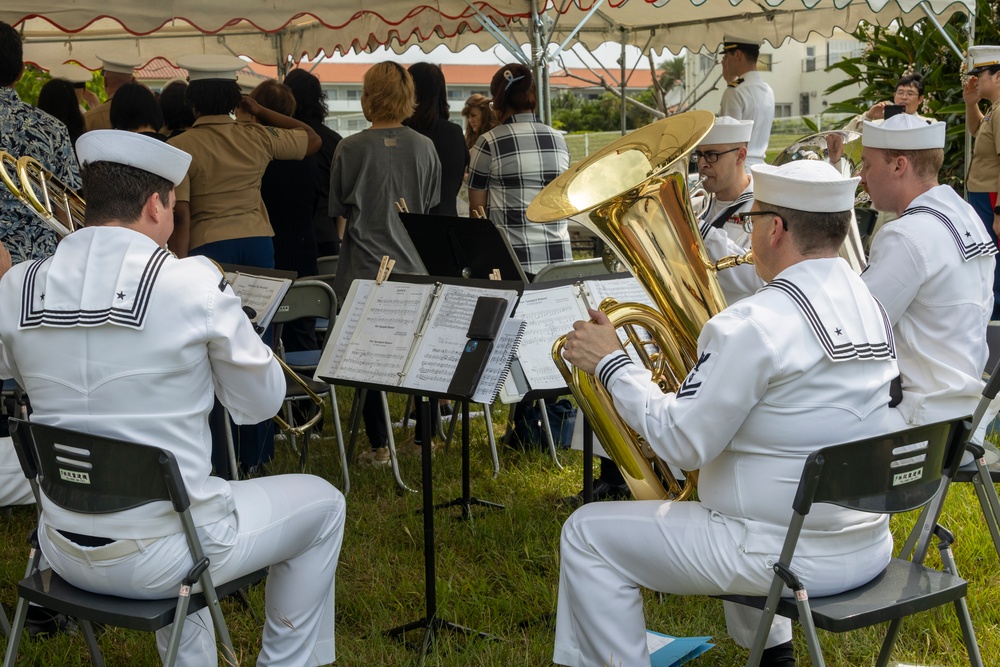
(274, 32)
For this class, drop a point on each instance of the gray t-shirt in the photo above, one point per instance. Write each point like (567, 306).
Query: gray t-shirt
(371, 171)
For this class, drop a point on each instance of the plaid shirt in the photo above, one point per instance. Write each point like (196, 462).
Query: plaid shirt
(514, 161)
(25, 130)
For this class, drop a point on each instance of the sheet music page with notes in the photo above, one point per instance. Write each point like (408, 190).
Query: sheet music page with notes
(441, 344)
(374, 336)
(262, 293)
(548, 314)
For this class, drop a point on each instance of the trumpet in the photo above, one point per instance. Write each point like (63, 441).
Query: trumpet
(51, 200)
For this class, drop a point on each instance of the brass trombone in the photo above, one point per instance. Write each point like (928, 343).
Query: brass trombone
(51, 200)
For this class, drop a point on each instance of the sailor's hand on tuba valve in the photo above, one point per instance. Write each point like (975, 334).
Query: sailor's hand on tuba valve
(589, 342)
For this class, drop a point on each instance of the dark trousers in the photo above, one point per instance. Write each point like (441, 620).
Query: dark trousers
(984, 202)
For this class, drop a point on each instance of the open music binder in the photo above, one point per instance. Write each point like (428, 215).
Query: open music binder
(549, 312)
(412, 335)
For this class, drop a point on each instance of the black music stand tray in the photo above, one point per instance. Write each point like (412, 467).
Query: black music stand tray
(454, 247)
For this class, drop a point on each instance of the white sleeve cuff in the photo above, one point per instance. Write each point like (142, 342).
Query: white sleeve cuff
(611, 366)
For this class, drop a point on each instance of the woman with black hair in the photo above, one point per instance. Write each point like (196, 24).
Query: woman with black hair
(431, 120)
(58, 98)
(177, 115)
(134, 109)
(310, 108)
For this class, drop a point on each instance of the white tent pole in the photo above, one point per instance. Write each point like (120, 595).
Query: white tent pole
(491, 28)
(940, 29)
(538, 64)
(572, 34)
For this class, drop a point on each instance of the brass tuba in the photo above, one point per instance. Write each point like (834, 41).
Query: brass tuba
(634, 195)
(58, 205)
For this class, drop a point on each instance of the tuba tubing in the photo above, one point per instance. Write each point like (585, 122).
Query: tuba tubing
(633, 194)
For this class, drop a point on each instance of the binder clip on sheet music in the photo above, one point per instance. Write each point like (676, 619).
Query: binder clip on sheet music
(412, 335)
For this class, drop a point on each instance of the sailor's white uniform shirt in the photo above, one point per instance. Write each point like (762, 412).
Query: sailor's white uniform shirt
(932, 270)
(751, 99)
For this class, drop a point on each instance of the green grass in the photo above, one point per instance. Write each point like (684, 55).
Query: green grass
(498, 573)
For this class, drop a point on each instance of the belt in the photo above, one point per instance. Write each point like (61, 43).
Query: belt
(116, 549)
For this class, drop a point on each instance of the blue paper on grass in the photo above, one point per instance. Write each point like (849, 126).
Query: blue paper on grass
(667, 651)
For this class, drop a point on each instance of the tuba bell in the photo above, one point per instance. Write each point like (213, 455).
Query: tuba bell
(55, 203)
(634, 195)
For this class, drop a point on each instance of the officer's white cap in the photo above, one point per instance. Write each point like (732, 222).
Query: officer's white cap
(728, 130)
(135, 150)
(72, 73)
(119, 64)
(981, 57)
(736, 41)
(904, 132)
(204, 66)
(804, 185)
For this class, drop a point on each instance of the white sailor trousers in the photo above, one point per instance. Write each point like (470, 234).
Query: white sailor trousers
(292, 523)
(610, 550)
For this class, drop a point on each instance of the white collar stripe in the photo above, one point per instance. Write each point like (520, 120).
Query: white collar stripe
(968, 250)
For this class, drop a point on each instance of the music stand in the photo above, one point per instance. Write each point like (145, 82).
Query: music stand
(454, 247)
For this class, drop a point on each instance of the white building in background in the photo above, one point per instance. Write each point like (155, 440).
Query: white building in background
(795, 71)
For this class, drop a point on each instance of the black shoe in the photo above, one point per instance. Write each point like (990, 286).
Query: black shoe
(781, 655)
(42, 621)
(602, 491)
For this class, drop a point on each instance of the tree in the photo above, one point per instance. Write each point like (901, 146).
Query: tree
(891, 52)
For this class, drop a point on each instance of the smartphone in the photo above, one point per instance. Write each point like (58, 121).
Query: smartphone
(891, 110)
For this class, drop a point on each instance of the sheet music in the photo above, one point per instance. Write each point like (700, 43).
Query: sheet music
(377, 333)
(624, 290)
(262, 293)
(499, 362)
(439, 349)
(548, 314)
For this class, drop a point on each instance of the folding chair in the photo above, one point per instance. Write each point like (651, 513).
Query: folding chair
(327, 264)
(898, 472)
(981, 474)
(119, 476)
(308, 298)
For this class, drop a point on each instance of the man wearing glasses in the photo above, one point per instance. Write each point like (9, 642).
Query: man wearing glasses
(721, 160)
(812, 347)
(747, 97)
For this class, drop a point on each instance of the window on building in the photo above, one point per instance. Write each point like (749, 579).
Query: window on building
(764, 62)
(783, 110)
(357, 124)
(353, 94)
(331, 94)
(838, 49)
(456, 94)
(809, 62)
(804, 104)
(706, 63)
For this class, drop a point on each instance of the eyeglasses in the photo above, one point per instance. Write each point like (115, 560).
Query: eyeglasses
(746, 219)
(710, 157)
(907, 92)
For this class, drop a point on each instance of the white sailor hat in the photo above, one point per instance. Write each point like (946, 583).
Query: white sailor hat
(731, 42)
(71, 72)
(981, 57)
(905, 132)
(135, 150)
(204, 66)
(727, 130)
(804, 185)
(119, 64)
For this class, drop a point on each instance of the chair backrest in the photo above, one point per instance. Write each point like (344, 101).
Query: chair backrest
(307, 298)
(896, 472)
(327, 264)
(571, 269)
(92, 474)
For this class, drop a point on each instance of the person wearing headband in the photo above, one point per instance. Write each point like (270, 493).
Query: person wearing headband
(511, 164)
(747, 96)
(931, 268)
(764, 360)
(983, 181)
(27, 131)
(116, 337)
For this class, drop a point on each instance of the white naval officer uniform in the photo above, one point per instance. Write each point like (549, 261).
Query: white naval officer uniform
(751, 99)
(932, 270)
(772, 367)
(114, 336)
(730, 238)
